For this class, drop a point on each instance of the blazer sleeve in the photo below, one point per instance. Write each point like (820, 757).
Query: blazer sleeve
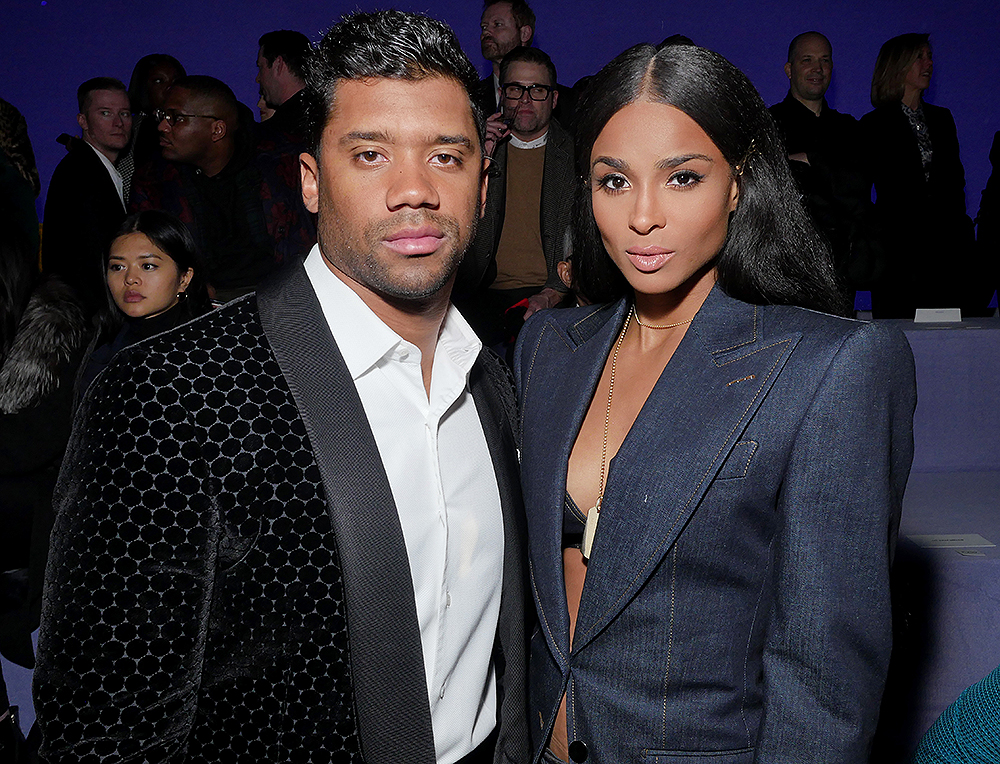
(129, 577)
(830, 633)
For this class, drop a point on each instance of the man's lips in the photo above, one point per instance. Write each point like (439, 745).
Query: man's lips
(649, 259)
(415, 241)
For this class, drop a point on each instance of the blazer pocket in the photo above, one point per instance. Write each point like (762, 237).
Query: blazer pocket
(741, 756)
(738, 463)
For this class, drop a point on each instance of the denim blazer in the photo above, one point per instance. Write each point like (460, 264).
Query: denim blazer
(736, 606)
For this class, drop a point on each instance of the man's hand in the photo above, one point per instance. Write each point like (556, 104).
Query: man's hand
(547, 298)
(496, 131)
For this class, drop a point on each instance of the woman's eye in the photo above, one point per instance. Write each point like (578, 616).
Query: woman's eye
(685, 178)
(149, 266)
(613, 182)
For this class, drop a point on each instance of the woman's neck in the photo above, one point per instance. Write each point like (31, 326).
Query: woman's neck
(912, 97)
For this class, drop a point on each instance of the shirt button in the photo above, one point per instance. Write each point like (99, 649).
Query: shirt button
(578, 751)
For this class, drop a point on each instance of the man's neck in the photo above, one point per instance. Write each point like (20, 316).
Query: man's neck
(528, 138)
(417, 322)
(111, 154)
(496, 70)
(213, 165)
(815, 106)
(289, 90)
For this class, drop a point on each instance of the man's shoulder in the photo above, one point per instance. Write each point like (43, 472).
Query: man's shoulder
(80, 159)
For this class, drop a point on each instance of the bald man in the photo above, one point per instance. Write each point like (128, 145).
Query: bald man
(235, 189)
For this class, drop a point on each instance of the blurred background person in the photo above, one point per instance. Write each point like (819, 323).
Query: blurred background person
(910, 153)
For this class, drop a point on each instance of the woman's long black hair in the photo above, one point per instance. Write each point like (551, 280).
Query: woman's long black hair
(772, 253)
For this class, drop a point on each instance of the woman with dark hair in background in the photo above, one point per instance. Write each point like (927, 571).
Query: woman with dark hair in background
(713, 466)
(911, 156)
(152, 77)
(155, 283)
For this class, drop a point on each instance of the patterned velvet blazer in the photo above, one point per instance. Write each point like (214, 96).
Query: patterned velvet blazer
(228, 578)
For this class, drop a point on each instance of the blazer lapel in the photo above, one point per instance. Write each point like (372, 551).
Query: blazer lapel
(713, 385)
(572, 362)
(386, 655)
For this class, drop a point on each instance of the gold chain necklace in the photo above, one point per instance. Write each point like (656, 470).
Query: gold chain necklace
(651, 326)
(590, 529)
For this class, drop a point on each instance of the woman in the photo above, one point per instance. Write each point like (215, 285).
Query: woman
(151, 78)
(743, 459)
(154, 284)
(911, 155)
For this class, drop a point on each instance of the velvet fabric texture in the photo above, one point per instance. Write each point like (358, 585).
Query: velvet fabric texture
(228, 580)
(736, 607)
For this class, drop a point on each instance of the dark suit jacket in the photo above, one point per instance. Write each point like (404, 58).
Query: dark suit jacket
(83, 212)
(736, 605)
(228, 579)
(478, 269)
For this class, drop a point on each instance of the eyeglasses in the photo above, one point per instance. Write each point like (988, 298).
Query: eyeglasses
(536, 92)
(174, 118)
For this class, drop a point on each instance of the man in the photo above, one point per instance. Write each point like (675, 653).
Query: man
(239, 194)
(291, 530)
(505, 25)
(84, 206)
(281, 56)
(823, 150)
(523, 235)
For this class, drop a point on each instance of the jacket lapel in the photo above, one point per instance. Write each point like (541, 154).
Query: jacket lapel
(386, 655)
(713, 385)
(566, 367)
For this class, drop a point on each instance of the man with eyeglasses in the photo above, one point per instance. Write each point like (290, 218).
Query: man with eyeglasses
(237, 191)
(511, 270)
(84, 205)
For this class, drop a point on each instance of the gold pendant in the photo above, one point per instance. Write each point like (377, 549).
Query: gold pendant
(590, 529)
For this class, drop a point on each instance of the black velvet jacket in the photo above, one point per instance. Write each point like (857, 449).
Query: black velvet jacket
(228, 579)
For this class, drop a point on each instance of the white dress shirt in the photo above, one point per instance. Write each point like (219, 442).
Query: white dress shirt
(116, 176)
(445, 490)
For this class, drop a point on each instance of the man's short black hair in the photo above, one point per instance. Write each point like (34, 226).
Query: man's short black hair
(217, 93)
(528, 56)
(521, 11)
(293, 47)
(391, 45)
(799, 38)
(97, 83)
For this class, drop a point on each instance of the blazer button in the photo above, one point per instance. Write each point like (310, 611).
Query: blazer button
(578, 751)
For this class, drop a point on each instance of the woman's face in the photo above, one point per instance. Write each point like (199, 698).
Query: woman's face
(918, 76)
(143, 279)
(662, 193)
(158, 82)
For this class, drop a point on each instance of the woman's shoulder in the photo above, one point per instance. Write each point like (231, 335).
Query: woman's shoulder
(836, 333)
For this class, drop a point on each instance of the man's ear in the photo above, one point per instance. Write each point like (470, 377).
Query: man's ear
(219, 130)
(81, 120)
(555, 95)
(484, 179)
(788, 71)
(274, 65)
(525, 34)
(309, 173)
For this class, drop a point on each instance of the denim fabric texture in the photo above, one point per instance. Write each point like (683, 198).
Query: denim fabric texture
(736, 608)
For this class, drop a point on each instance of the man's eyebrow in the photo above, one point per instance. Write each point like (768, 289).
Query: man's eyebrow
(374, 136)
(455, 140)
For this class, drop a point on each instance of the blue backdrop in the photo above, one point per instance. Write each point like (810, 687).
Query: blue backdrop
(48, 47)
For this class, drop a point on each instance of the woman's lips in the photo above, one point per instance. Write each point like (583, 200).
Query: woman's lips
(415, 241)
(133, 297)
(649, 259)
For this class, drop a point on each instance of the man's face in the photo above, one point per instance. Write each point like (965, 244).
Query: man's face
(810, 69)
(531, 118)
(499, 33)
(266, 80)
(107, 121)
(189, 138)
(398, 187)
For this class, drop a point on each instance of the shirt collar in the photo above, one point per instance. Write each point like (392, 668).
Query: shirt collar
(540, 141)
(362, 337)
